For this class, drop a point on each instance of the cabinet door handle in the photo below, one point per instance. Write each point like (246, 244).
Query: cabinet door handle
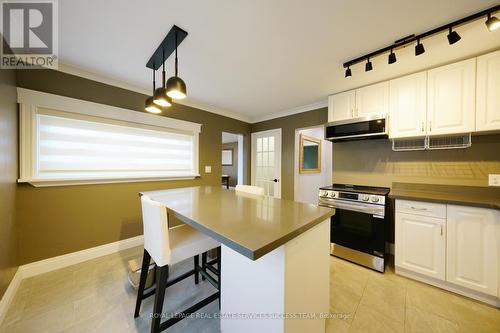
(422, 127)
(441, 230)
(416, 208)
(352, 112)
(430, 126)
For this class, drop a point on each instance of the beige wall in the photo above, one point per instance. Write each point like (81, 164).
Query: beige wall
(8, 175)
(59, 220)
(374, 163)
(231, 170)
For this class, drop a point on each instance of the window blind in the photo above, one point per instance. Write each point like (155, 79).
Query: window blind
(69, 147)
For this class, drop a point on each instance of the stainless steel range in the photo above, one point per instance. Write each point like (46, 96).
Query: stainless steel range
(359, 226)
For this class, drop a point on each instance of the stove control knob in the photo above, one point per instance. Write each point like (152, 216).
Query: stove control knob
(333, 194)
(374, 198)
(322, 193)
(365, 197)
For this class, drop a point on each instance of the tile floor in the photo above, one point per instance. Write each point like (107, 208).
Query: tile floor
(95, 297)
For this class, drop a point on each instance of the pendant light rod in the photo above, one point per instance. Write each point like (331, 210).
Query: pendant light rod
(176, 61)
(434, 31)
(171, 41)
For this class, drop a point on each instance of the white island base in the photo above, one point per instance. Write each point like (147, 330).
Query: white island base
(293, 280)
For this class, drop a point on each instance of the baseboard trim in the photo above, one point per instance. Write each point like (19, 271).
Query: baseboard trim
(65, 260)
(9, 294)
(488, 299)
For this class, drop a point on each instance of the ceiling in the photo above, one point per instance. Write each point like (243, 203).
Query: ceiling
(258, 59)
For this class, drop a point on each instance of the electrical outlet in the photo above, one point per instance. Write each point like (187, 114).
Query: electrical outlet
(208, 169)
(494, 180)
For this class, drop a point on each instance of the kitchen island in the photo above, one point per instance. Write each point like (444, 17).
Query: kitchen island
(275, 256)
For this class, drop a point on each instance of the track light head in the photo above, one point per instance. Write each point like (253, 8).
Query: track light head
(368, 66)
(348, 72)
(419, 48)
(492, 23)
(453, 36)
(392, 57)
(151, 107)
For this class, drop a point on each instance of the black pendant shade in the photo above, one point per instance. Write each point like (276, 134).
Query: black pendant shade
(151, 107)
(419, 48)
(176, 88)
(453, 37)
(392, 58)
(160, 97)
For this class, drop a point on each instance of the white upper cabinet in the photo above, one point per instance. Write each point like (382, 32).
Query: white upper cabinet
(341, 106)
(472, 248)
(451, 98)
(372, 100)
(488, 92)
(408, 106)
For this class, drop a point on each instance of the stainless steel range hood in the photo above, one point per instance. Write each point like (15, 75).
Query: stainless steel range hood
(362, 128)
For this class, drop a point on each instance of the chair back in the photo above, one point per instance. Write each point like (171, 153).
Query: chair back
(155, 224)
(250, 189)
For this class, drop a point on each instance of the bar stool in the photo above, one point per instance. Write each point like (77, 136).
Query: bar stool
(168, 246)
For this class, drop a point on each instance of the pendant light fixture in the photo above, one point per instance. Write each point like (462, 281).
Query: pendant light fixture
(392, 57)
(176, 88)
(160, 96)
(419, 48)
(453, 36)
(492, 23)
(151, 107)
(368, 66)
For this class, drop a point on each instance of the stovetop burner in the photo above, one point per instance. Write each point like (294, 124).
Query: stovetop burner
(358, 189)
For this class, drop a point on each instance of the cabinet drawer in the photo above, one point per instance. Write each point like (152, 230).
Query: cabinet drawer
(421, 208)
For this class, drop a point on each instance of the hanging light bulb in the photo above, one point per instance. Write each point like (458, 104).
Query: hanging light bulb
(453, 36)
(348, 72)
(492, 23)
(176, 87)
(419, 48)
(160, 96)
(150, 106)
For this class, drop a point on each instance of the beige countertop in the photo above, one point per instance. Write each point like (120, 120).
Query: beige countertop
(251, 225)
(488, 197)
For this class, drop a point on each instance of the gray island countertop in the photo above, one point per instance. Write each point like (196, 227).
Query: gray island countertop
(251, 225)
(478, 196)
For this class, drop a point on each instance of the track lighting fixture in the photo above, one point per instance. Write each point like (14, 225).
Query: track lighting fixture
(368, 66)
(492, 23)
(453, 36)
(392, 57)
(419, 48)
(150, 106)
(176, 88)
(160, 96)
(348, 72)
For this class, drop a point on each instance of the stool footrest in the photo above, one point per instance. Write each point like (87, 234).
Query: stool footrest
(169, 283)
(210, 279)
(181, 315)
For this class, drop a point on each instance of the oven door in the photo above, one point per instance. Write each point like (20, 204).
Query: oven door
(361, 227)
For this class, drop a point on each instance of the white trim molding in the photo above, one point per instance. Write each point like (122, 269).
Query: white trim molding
(292, 111)
(31, 104)
(51, 264)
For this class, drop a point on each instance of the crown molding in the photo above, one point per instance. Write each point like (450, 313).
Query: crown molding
(73, 70)
(292, 111)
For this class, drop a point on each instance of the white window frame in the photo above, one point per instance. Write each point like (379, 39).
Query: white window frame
(29, 103)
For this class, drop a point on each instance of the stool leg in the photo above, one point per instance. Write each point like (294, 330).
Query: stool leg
(161, 284)
(203, 263)
(196, 269)
(146, 259)
(219, 271)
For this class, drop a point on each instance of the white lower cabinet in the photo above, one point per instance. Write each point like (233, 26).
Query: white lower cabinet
(472, 248)
(457, 246)
(421, 244)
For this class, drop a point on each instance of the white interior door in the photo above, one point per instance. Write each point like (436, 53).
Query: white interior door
(266, 161)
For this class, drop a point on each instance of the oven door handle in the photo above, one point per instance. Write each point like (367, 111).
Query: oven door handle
(377, 211)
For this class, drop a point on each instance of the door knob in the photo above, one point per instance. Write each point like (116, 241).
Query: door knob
(275, 180)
